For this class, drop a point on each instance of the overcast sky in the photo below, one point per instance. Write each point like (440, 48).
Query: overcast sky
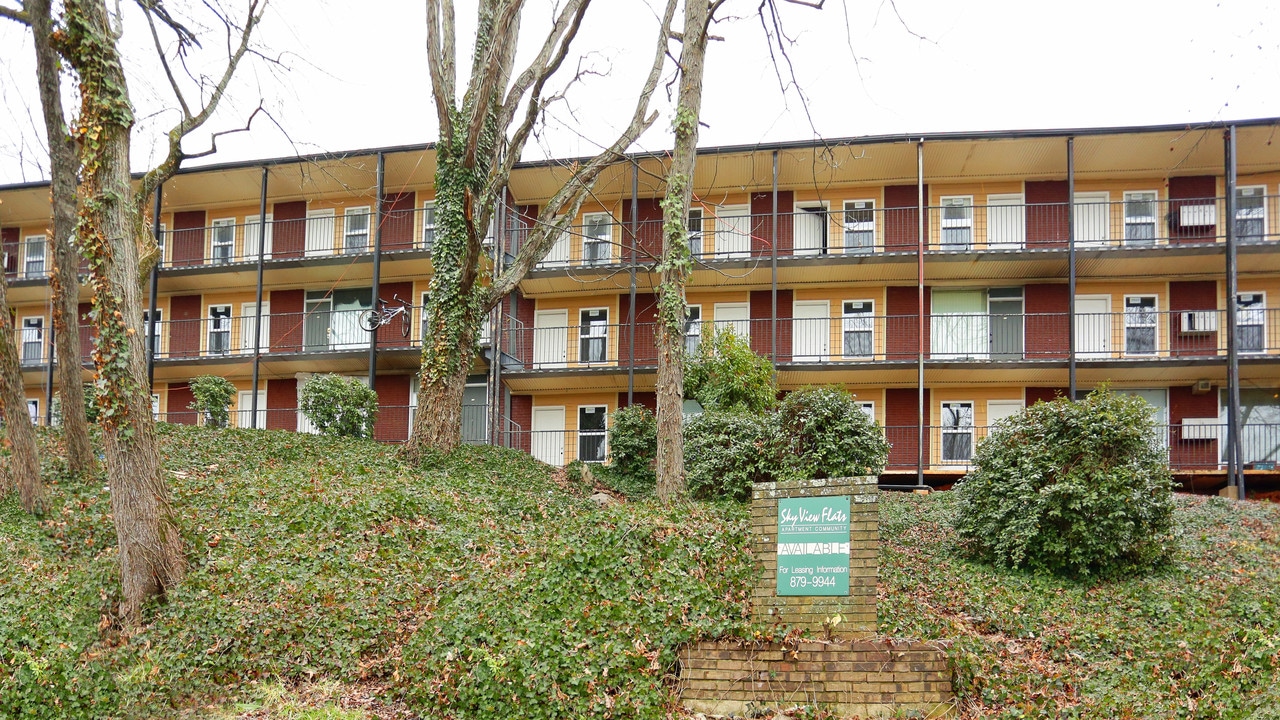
(357, 77)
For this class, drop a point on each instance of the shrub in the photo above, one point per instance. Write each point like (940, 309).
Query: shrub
(726, 375)
(1073, 488)
(212, 398)
(726, 452)
(633, 446)
(91, 402)
(338, 406)
(823, 433)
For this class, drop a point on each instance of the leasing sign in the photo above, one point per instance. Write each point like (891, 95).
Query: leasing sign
(813, 546)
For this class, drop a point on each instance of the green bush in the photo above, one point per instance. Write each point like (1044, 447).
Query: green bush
(726, 375)
(823, 433)
(339, 406)
(633, 446)
(212, 398)
(1072, 488)
(91, 401)
(726, 452)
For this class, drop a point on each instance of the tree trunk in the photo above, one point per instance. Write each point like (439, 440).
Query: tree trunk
(24, 464)
(676, 264)
(64, 280)
(112, 229)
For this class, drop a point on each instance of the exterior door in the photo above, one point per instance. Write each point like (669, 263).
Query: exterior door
(320, 232)
(736, 316)
(1093, 326)
(733, 231)
(249, 321)
(1006, 226)
(551, 339)
(244, 415)
(998, 410)
(548, 435)
(810, 230)
(812, 331)
(1004, 307)
(475, 402)
(1092, 216)
(959, 325)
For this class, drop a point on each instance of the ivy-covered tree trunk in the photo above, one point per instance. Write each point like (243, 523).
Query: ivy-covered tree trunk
(24, 464)
(64, 280)
(112, 229)
(676, 263)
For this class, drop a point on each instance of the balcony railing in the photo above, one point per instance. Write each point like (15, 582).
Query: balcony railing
(393, 424)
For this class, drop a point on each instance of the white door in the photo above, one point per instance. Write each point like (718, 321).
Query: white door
(320, 232)
(558, 256)
(548, 435)
(998, 410)
(244, 410)
(1092, 218)
(736, 316)
(248, 321)
(1093, 326)
(1006, 226)
(550, 339)
(810, 238)
(733, 231)
(812, 330)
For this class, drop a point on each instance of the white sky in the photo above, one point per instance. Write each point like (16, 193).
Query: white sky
(358, 79)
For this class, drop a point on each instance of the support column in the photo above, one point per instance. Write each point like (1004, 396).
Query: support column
(493, 392)
(1071, 268)
(920, 245)
(773, 285)
(377, 264)
(1235, 471)
(257, 307)
(631, 312)
(155, 286)
(49, 366)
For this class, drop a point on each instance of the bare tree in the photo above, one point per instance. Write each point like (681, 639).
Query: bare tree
(482, 135)
(114, 237)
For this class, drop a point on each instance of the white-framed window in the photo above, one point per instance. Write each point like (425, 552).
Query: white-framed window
(222, 240)
(1140, 325)
(1251, 322)
(414, 381)
(428, 224)
(859, 226)
(868, 408)
(1251, 213)
(1006, 221)
(33, 411)
(858, 328)
(593, 433)
(693, 329)
(1140, 208)
(957, 222)
(252, 231)
(597, 238)
(33, 256)
(422, 315)
(155, 406)
(219, 329)
(695, 231)
(152, 329)
(957, 431)
(355, 229)
(809, 232)
(593, 335)
(32, 339)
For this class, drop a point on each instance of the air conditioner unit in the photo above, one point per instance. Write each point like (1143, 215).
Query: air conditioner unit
(1202, 387)
(1199, 321)
(1198, 215)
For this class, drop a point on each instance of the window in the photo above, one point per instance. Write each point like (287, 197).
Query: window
(33, 411)
(155, 406)
(1140, 218)
(695, 231)
(593, 335)
(32, 339)
(1251, 213)
(160, 240)
(252, 231)
(591, 433)
(222, 240)
(693, 329)
(422, 314)
(1139, 324)
(957, 431)
(957, 223)
(355, 230)
(153, 329)
(1251, 330)
(219, 329)
(428, 225)
(597, 238)
(857, 328)
(868, 409)
(859, 226)
(33, 266)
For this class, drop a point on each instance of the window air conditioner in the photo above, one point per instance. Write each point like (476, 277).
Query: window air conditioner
(1199, 321)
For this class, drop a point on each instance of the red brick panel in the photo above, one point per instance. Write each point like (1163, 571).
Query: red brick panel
(1047, 394)
(522, 416)
(761, 313)
(1048, 212)
(1183, 404)
(397, 221)
(10, 239)
(289, 234)
(185, 322)
(1197, 190)
(392, 334)
(392, 424)
(647, 399)
(902, 216)
(901, 415)
(902, 306)
(646, 350)
(188, 238)
(525, 308)
(762, 223)
(282, 404)
(286, 320)
(180, 400)
(1192, 295)
(1048, 323)
(648, 241)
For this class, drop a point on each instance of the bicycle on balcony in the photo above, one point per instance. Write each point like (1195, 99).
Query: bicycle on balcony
(385, 312)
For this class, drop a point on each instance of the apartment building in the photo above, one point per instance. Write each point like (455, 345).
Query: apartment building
(947, 280)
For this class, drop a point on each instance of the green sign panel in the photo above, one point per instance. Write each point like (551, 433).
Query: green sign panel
(813, 546)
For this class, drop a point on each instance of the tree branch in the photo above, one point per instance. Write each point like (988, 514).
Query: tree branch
(152, 8)
(213, 139)
(15, 15)
(440, 62)
(492, 69)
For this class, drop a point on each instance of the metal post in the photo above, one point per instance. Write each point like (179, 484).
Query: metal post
(155, 287)
(631, 310)
(773, 285)
(1071, 268)
(48, 379)
(920, 230)
(493, 393)
(257, 307)
(1235, 471)
(377, 265)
